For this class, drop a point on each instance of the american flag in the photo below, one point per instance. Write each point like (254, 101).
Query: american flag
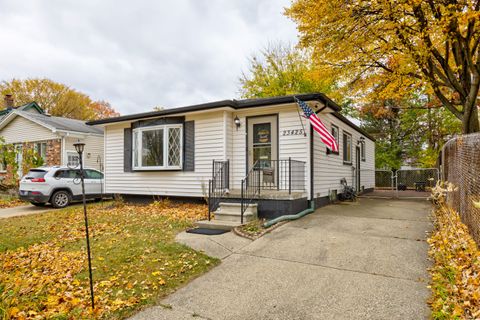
(317, 124)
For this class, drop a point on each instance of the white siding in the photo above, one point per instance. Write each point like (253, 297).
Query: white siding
(93, 146)
(294, 146)
(329, 169)
(23, 130)
(209, 145)
(217, 138)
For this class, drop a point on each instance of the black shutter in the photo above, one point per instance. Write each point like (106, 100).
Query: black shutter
(127, 150)
(189, 146)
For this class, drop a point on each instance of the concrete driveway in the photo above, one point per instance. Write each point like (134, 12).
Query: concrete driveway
(365, 260)
(23, 210)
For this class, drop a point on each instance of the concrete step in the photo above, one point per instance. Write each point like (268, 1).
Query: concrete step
(234, 216)
(232, 212)
(236, 207)
(216, 224)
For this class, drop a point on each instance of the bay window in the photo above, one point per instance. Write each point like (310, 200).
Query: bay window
(158, 147)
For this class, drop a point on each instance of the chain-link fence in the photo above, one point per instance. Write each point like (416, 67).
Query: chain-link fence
(460, 166)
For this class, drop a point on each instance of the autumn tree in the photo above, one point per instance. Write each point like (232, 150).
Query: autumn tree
(55, 98)
(103, 109)
(408, 131)
(392, 48)
(280, 70)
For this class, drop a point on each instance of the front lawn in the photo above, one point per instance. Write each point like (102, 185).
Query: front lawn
(136, 261)
(7, 201)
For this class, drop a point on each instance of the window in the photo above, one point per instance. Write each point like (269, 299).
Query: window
(362, 150)
(335, 134)
(158, 147)
(73, 160)
(67, 174)
(92, 174)
(347, 148)
(41, 149)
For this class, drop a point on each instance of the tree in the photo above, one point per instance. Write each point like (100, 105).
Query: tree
(55, 98)
(103, 109)
(282, 70)
(392, 48)
(408, 131)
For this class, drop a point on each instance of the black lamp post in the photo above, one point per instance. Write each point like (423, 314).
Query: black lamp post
(79, 147)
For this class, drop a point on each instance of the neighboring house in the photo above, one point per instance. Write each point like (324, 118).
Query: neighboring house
(28, 126)
(175, 152)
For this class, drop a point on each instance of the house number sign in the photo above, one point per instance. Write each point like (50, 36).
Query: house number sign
(296, 132)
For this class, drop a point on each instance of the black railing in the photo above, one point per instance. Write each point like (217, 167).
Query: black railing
(281, 174)
(288, 175)
(219, 183)
(250, 189)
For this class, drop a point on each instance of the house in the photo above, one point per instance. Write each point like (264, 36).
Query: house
(28, 126)
(243, 152)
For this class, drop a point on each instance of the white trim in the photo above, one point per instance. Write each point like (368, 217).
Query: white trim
(166, 135)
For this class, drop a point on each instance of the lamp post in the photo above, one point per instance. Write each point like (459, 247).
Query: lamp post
(79, 147)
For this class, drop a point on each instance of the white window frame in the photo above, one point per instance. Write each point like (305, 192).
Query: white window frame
(349, 137)
(76, 153)
(41, 144)
(137, 152)
(362, 151)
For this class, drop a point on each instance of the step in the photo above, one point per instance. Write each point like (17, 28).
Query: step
(215, 224)
(234, 216)
(236, 207)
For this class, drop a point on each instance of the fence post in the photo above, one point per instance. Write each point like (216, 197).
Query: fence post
(241, 203)
(209, 198)
(289, 175)
(258, 180)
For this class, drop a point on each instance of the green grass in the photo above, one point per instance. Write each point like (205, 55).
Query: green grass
(135, 258)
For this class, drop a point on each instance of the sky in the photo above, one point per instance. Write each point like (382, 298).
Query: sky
(140, 54)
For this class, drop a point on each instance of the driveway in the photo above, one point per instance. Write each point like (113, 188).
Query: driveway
(364, 260)
(23, 210)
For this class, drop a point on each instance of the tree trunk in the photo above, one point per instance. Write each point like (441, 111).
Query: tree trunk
(470, 121)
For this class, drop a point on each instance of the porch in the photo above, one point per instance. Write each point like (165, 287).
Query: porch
(271, 188)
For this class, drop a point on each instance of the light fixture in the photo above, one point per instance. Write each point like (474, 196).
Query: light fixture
(237, 122)
(79, 147)
(361, 140)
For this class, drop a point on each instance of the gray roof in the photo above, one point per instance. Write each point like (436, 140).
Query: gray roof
(59, 123)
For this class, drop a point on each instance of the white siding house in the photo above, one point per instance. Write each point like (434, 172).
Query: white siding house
(266, 140)
(53, 137)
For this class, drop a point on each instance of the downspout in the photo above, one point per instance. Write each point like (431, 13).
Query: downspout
(309, 210)
(291, 216)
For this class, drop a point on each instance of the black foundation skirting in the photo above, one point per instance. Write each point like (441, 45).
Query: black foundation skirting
(147, 199)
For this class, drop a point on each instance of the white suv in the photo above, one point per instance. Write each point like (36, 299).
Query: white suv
(60, 186)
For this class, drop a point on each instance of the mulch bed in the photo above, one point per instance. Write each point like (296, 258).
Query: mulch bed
(254, 236)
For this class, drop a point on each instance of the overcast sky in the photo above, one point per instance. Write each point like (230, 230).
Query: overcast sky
(140, 54)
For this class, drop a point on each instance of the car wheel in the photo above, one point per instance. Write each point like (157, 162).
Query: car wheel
(61, 199)
(38, 204)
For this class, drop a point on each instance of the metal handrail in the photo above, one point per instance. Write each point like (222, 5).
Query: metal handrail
(218, 185)
(250, 190)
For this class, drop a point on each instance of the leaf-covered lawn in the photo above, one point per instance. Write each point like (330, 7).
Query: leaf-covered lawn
(136, 261)
(456, 272)
(10, 202)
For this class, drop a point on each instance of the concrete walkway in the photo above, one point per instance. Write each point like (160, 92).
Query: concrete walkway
(364, 260)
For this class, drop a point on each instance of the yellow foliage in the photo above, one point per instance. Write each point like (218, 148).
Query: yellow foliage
(456, 272)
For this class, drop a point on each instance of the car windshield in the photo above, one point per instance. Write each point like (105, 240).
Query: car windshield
(35, 174)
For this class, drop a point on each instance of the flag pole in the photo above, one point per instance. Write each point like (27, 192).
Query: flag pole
(300, 117)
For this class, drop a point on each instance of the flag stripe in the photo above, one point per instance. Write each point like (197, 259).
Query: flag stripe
(318, 126)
